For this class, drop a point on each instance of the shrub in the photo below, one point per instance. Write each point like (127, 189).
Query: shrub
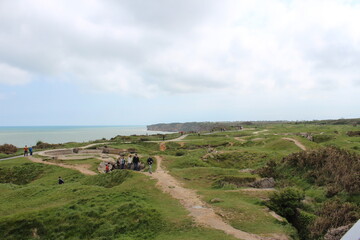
(8, 149)
(322, 138)
(333, 214)
(22, 174)
(302, 222)
(180, 153)
(353, 133)
(44, 145)
(286, 202)
(329, 166)
(269, 170)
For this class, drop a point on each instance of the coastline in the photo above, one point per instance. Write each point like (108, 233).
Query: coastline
(29, 135)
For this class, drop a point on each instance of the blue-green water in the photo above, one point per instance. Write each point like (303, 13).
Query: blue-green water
(21, 136)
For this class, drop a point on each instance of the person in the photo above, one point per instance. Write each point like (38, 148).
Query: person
(122, 162)
(118, 163)
(150, 162)
(129, 161)
(136, 161)
(107, 169)
(163, 137)
(26, 150)
(61, 181)
(30, 151)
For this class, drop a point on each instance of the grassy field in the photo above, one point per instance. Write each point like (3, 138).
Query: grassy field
(127, 205)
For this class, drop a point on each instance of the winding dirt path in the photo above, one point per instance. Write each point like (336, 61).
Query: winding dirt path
(83, 168)
(202, 214)
(297, 143)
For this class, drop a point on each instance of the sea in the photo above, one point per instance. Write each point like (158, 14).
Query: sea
(21, 136)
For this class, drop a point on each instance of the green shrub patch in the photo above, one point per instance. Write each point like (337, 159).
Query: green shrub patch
(22, 174)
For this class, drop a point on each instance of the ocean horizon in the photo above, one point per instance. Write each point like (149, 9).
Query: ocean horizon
(30, 135)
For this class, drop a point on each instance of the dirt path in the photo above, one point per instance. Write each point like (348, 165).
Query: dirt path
(256, 133)
(239, 139)
(202, 214)
(83, 168)
(297, 143)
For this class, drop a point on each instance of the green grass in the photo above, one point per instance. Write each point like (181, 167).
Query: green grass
(127, 205)
(119, 205)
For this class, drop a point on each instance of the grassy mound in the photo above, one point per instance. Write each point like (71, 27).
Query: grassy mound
(22, 174)
(108, 180)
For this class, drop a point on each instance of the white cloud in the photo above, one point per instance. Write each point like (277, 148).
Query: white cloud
(13, 76)
(183, 46)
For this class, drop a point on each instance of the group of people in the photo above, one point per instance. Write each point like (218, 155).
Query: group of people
(131, 162)
(28, 150)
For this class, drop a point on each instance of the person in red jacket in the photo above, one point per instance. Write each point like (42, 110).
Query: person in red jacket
(26, 150)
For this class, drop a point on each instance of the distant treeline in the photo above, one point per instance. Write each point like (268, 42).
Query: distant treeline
(204, 126)
(218, 126)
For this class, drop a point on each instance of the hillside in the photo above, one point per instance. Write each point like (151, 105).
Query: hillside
(217, 126)
(222, 173)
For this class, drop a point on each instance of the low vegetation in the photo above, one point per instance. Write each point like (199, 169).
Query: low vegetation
(8, 149)
(315, 190)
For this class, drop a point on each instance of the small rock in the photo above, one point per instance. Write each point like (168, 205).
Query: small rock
(263, 183)
(337, 233)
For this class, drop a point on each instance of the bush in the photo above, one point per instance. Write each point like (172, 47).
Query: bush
(333, 214)
(322, 138)
(8, 149)
(329, 166)
(286, 202)
(44, 145)
(22, 174)
(302, 222)
(269, 170)
(179, 153)
(353, 133)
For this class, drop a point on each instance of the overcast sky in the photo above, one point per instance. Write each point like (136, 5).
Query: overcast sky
(140, 62)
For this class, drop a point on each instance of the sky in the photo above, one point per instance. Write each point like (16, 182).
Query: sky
(132, 62)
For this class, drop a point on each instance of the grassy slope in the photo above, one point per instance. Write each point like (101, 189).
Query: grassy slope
(243, 210)
(51, 208)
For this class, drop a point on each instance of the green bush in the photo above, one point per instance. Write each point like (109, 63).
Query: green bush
(286, 202)
(179, 153)
(22, 174)
(322, 138)
(302, 222)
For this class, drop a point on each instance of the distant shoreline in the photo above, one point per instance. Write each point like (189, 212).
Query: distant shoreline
(30, 135)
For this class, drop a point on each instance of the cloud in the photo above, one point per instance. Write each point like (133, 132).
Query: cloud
(10, 75)
(182, 46)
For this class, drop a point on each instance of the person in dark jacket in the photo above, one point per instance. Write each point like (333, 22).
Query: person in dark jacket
(150, 162)
(61, 181)
(136, 161)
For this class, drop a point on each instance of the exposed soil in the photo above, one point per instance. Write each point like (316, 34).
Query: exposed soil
(297, 143)
(199, 210)
(239, 139)
(162, 146)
